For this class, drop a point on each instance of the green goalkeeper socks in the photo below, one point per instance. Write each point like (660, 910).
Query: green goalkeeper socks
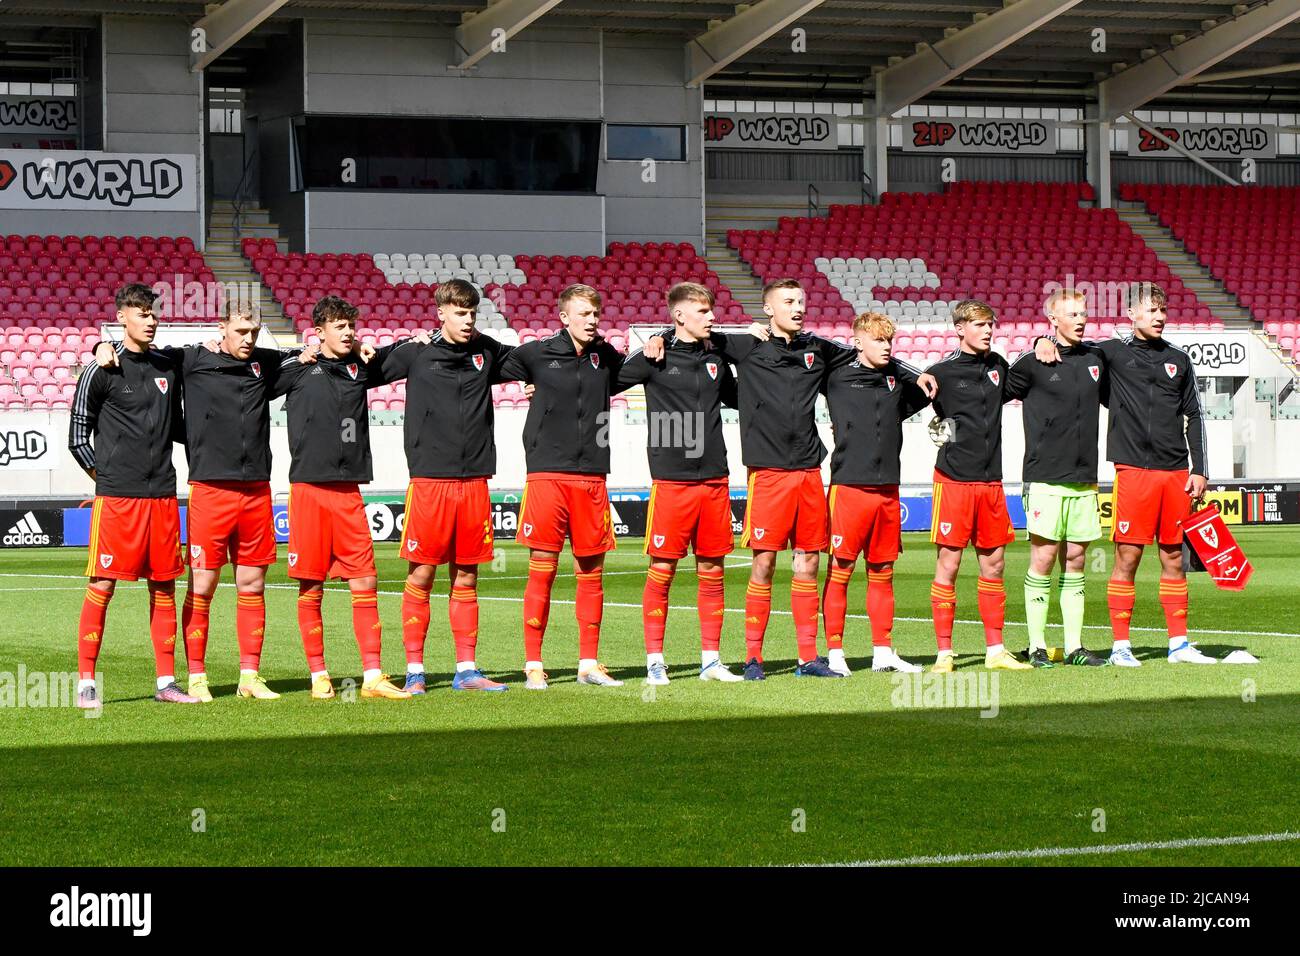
(1038, 593)
(1072, 609)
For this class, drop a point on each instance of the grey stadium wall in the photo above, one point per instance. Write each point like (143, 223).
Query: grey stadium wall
(379, 68)
(151, 103)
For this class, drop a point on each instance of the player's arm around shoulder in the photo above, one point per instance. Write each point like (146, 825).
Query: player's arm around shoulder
(635, 370)
(915, 397)
(1020, 376)
(517, 364)
(734, 346)
(499, 351)
(611, 358)
(835, 355)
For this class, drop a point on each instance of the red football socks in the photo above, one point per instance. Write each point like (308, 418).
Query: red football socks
(415, 621)
(880, 606)
(366, 626)
(803, 607)
(835, 605)
(1173, 601)
(250, 627)
(537, 605)
(654, 608)
(194, 628)
(758, 608)
(943, 607)
(711, 604)
(90, 630)
(462, 614)
(993, 608)
(589, 607)
(162, 630)
(312, 628)
(1120, 598)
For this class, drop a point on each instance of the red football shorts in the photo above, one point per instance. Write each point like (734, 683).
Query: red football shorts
(865, 519)
(1149, 504)
(329, 536)
(133, 538)
(556, 504)
(689, 514)
(230, 520)
(785, 508)
(966, 512)
(447, 520)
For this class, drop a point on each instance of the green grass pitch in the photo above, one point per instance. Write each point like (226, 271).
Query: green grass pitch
(789, 771)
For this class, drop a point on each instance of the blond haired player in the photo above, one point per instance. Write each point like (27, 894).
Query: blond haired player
(869, 400)
(970, 507)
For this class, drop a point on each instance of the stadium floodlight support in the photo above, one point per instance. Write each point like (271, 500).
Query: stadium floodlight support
(1179, 148)
(731, 39)
(1249, 73)
(935, 64)
(226, 26)
(493, 25)
(1130, 89)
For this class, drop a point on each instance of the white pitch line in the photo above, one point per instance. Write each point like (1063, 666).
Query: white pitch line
(692, 607)
(994, 856)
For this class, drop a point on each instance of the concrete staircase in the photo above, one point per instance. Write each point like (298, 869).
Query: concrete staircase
(750, 212)
(228, 264)
(1183, 264)
(743, 212)
(726, 262)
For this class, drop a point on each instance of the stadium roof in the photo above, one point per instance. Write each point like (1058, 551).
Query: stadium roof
(849, 40)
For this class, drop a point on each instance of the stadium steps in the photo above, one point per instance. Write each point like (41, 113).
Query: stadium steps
(228, 264)
(743, 212)
(750, 212)
(1183, 264)
(1284, 356)
(732, 270)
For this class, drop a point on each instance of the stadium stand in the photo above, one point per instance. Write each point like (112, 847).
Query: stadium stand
(1249, 239)
(914, 254)
(54, 293)
(396, 292)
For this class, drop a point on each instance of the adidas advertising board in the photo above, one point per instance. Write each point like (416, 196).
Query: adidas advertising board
(31, 528)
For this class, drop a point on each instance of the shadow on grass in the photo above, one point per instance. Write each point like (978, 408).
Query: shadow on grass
(868, 785)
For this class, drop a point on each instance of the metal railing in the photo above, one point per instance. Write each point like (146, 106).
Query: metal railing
(814, 201)
(240, 198)
(868, 197)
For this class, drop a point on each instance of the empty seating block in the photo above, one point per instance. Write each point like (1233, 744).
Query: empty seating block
(915, 254)
(1247, 236)
(55, 292)
(395, 291)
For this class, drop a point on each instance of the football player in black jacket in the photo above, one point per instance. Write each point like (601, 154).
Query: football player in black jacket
(969, 505)
(124, 421)
(690, 503)
(1156, 425)
(869, 400)
(1062, 405)
(329, 536)
(450, 454)
(566, 448)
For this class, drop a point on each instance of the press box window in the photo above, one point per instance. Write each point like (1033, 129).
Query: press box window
(635, 143)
